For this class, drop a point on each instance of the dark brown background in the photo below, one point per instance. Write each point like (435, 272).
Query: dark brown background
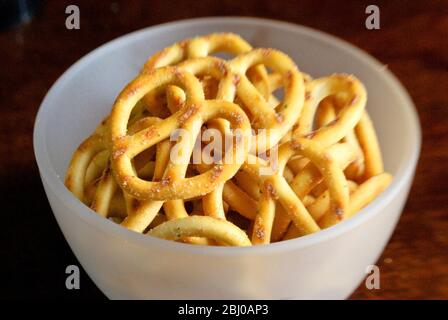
(411, 41)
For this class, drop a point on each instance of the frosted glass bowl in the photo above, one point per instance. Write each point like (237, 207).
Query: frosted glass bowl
(123, 264)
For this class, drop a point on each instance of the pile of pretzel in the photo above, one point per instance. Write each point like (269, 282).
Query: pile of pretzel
(313, 136)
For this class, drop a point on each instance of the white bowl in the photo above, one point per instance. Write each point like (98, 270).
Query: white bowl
(123, 264)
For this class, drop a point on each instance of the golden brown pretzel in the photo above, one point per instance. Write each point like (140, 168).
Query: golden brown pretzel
(249, 78)
(197, 47)
(276, 188)
(126, 170)
(237, 68)
(190, 117)
(352, 95)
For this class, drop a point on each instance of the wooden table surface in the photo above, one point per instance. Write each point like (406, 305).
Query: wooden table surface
(411, 42)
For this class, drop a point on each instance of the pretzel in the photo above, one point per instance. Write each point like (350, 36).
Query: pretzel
(352, 110)
(317, 209)
(364, 141)
(138, 211)
(282, 222)
(329, 163)
(364, 194)
(317, 90)
(242, 64)
(89, 175)
(81, 159)
(196, 48)
(134, 221)
(277, 121)
(275, 187)
(202, 226)
(247, 92)
(247, 64)
(353, 96)
(174, 207)
(191, 116)
(91, 159)
(326, 113)
(98, 192)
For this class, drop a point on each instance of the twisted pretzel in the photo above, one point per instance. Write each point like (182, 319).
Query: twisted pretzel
(241, 64)
(329, 162)
(280, 121)
(191, 116)
(275, 187)
(352, 93)
(253, 86)
(196, 48)
(219, 230)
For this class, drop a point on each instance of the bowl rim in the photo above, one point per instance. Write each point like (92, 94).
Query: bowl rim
(403, 175)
